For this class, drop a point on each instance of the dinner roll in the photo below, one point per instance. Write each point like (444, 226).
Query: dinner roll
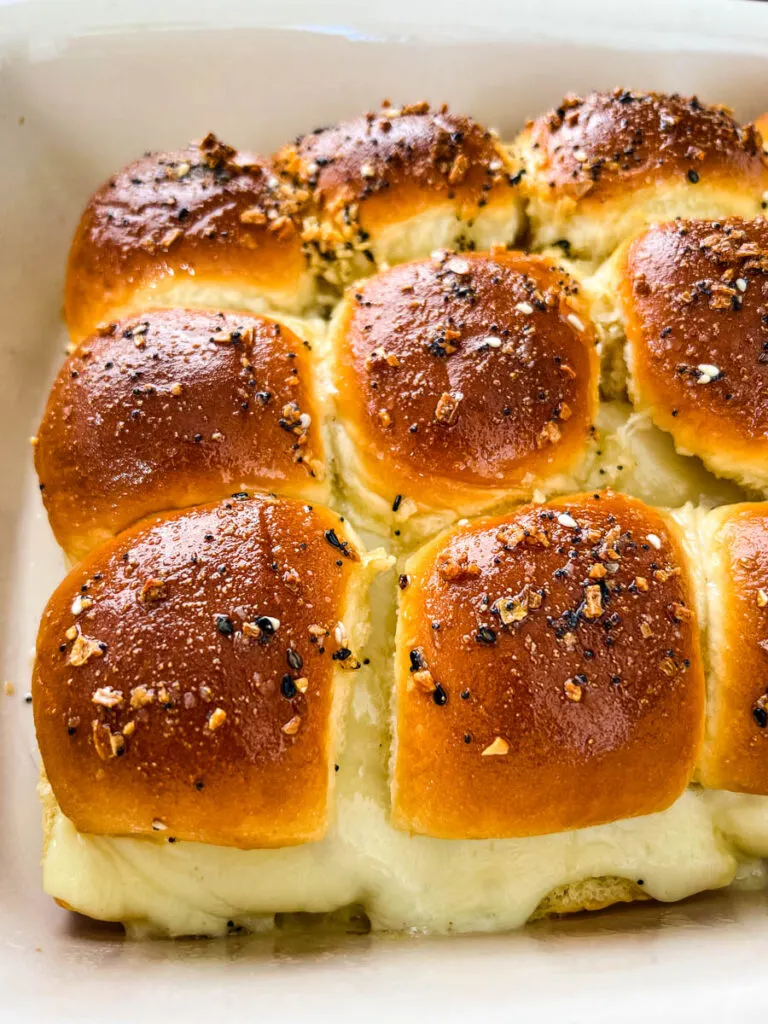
(393, 186)
(735, 755)
(190, 675)
(174, 408)
(463, 380)
(694, 298)
(597, 169)
(207, 226)
(548, 674)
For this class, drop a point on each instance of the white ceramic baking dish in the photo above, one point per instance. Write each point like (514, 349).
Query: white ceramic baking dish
(84, 88)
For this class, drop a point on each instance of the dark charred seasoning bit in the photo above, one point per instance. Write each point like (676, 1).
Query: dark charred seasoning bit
(288, 687)
(486, 635)
(225, 625)
(439, 696)
(342, 654)
(417, 659)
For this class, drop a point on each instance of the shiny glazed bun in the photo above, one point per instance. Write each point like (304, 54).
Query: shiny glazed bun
(735, 755)
(463, 380)
(393, 186)
(694, 297)
(548, 674)
(207, 226)
(597, 169)
(188, 681)
(174, 408)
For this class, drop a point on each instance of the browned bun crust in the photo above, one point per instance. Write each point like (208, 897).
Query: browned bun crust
(381, 170)
(608, 154)
(160, 711)
(175, 408)
(411, 340)
(695, 300)
(586, 707)
(207, 218)
(761, 124)
(735, 754)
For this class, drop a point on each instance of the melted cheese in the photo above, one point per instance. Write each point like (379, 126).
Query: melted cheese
(704, 840)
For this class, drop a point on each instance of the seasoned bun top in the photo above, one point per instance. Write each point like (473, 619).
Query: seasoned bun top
(185, 681)
(548, 673)
(695, 302)
(465, 375)
(206, 220)
(624, 156)
(174, 408)
(372, 175)
(735, 756)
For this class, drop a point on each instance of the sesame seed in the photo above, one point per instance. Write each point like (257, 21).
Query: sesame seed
(653, 540)
(566, 520)
(574, 321)
(524, 307)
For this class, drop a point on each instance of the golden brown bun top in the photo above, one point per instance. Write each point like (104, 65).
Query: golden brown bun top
(175, 408)
(563, 683)
(736, 752)
(395, 161)
(695, 296)
(606, 142)
(184, 675)
(477, 370)
(209, 209)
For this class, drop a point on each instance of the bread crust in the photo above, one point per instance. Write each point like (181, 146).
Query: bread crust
(735, 754)
(172, 409)
(190, 676)
(597, 166)
(382, 170)
(585, 706)
(463, 378)
(693, 296)
(205, 218)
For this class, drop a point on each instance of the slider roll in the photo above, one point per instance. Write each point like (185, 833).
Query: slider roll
(173, 408)
(191, 675)
(548, 674)
(463, 380)
(693, 297)
(735, 755)
(207, 226)
(596, 169)
(393, 186)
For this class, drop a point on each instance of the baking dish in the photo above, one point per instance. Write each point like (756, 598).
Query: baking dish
(84, 90)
